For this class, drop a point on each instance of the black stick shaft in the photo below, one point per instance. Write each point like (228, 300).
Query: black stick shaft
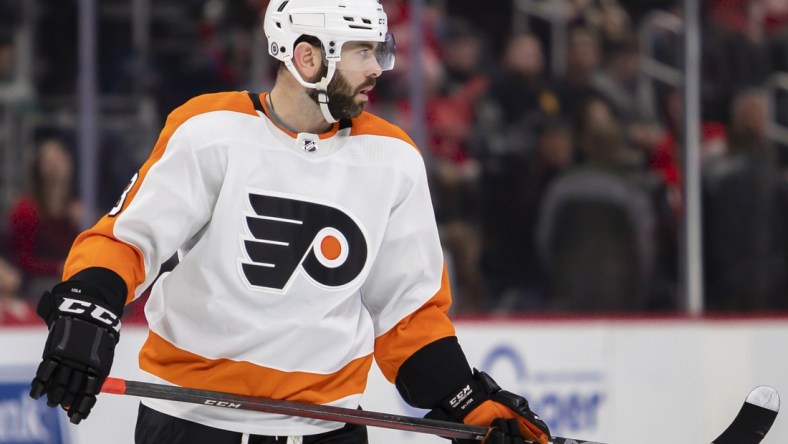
(294, 408)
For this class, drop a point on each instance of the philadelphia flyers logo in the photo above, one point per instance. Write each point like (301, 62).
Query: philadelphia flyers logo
(291, 236)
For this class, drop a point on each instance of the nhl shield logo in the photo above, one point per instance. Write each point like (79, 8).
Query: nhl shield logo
(310, 145)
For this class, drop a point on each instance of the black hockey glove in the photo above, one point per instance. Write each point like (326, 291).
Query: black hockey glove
(78, 354)
(480, 401)
(504, 431)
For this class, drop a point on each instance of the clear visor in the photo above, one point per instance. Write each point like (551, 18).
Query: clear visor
(368, 56)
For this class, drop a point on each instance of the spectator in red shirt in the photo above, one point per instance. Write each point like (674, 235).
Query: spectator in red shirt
(13, 309)
(43, 224)
(747, 16)
(666, 157)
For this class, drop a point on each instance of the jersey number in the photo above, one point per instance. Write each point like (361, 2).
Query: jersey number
(119, 205)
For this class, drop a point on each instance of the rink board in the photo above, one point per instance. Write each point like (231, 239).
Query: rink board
(632, 381)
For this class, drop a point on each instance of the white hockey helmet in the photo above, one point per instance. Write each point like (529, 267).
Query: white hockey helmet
(333, 22)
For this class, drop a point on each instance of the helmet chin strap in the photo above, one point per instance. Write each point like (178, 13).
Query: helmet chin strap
(321, 86)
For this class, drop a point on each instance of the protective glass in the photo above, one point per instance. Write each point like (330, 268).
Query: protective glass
(368, 56)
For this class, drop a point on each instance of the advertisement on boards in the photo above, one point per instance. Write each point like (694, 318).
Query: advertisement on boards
(564, 379)
(618, 382)
(22, 419)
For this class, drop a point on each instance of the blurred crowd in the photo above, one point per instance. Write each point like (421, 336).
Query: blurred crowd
(554, 149)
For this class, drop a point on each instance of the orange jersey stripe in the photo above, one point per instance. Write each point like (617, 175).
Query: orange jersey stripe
(97, 246)
(180, 367)
(370, 124)
(427, 324)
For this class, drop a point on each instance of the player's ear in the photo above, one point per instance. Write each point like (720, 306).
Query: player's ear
(307, 59)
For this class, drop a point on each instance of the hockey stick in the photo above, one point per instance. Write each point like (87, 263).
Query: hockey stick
(329, 413)
(755, 418)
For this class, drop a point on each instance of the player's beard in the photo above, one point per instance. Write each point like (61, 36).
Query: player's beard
(341, 97)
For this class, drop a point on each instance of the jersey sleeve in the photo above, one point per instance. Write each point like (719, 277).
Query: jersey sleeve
(167, 202)
(407, 292)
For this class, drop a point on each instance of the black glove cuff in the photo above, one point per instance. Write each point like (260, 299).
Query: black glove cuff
(427, 375)
(80, 300)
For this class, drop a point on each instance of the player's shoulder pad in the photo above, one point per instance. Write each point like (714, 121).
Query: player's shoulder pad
(370, 124)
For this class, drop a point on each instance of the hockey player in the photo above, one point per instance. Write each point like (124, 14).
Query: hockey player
(307, 248)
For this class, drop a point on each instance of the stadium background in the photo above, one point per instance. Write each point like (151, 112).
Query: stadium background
(554, 132)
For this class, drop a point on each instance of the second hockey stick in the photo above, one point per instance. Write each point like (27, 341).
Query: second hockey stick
(329, 413)
(754, 419)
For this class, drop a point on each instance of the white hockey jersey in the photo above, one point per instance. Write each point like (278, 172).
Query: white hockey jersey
(302, 257)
